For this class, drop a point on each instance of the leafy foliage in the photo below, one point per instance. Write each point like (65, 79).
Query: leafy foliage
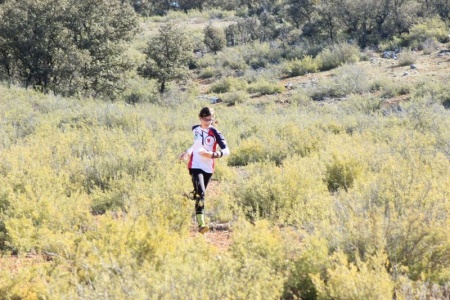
(345, 199)
(301, 67)
(214, 38)
(67, 47)
(168, 55)
(94, 188)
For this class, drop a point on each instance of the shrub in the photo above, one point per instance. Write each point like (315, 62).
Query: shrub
(313, 259)
(367, 104)
(205, 61)
(264, 87)
(260, 55)
(140, 90)
(368, 215)
(341, 173)
(351, 79)
(433, 92)
(428, 46)
(393, 44)
(433, 28)
(233, 60)
(299, 97)
(300, 67)
(233, 98)
(249, 151)
(260, 256)
(363, 280)
(406, 58)
(327, 88)
(348, 79)
(338, 54)
(228, 84)
(208, 72)
(214, 38)
(389, 88)
(409, 289)
(288, 194)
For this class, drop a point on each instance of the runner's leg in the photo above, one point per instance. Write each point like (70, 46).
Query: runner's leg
(200, 181)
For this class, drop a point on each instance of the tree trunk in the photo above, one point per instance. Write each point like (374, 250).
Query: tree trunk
(162, 87)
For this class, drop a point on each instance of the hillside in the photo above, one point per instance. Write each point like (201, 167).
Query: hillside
(427, 68)
(433, 67)
(336, 186)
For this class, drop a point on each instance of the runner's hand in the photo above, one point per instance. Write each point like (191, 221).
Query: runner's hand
(184, 156)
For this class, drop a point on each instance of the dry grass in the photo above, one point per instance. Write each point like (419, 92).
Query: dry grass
(432, 67)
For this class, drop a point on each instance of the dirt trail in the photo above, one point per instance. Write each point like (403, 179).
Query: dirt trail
(221, 239)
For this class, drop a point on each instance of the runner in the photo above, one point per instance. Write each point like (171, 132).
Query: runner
(202, 155)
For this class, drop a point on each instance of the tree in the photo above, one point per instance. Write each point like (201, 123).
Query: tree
(214, 38)
(370, 21)
(327, 22)
(191, 4)
(102, 30)
(152, 7)
(66, 46)
(300, 11)
(168, 55)
(442, 7)
(243, 32)
(30, 33)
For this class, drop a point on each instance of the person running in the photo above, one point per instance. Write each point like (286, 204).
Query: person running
(202, 155)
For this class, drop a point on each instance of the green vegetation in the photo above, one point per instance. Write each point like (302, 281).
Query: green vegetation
(67, 47)
(337, 182)
(350, 194)
(167, 56)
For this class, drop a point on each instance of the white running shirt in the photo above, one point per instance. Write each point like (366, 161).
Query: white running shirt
(206, 140)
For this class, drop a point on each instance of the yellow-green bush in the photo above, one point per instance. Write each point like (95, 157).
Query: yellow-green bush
(260, 256)
(236, 97)
(97, 189)
(208, 72)
(233, 60)
(433, 92)
(289, 194)
(362, 280)
(389, 88)
(251, 150)
(228, 84)
(433, 28)
(290, 140)
(367, 104)
(352, 79)
(264, 87)
(337, 55)
(300, 67)
(341, 173)
(347, 80)
(312, 259)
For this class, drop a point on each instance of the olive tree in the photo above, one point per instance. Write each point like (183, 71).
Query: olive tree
(167, 56)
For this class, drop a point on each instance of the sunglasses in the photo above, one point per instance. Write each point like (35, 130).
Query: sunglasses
(207, 119)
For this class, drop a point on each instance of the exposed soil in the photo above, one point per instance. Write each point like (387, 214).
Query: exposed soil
(14, 263)
(219, 235)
